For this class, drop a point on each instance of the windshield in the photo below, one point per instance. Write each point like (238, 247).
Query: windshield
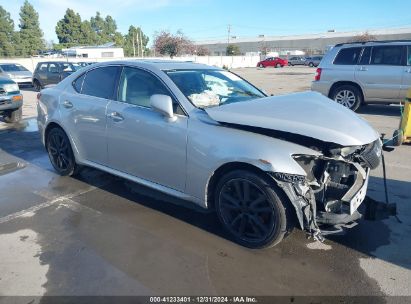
(13, 68)
(211, 88)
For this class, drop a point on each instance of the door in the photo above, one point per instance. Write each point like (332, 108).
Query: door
(141, 141)
(381, 78)
(83, 111)
(41, 73)
(406, 76)
(53, 74)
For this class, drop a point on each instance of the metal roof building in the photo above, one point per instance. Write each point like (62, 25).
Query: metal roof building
(311, 43)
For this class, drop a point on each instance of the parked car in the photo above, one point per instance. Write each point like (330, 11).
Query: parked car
(16, 72)
(11, 100)
(52, 72)
(206, 135)
(313, 61)
(296, 60)
(272, 62)
(359, 73)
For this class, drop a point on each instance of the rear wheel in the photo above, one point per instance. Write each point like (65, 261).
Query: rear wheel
(398, 137)
(278, 65)
(348, 96)
(60, 152)
(311, 64)
(14, 116)
(251, 209)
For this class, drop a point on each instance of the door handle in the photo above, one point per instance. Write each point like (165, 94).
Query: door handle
(408, 70)
(363, 69)
(116, 117)
(67, 104)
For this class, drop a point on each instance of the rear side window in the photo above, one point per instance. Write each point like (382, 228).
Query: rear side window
(100, 82)
(387, 55)
(348, 56)
(78, 83)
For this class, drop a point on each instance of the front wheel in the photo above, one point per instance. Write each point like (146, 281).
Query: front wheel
(311, 64)
(348, 96)
(60, 152)
(278, 65)
(251, 209)
(14, 116)
(261, 66)
(37, 85)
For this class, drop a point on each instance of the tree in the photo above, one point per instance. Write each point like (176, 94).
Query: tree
(364, 37)
(133, 40)
(233, 50)
(69, 29)
(30, 34)
(202, 51)
(166, 43)
(6, 33)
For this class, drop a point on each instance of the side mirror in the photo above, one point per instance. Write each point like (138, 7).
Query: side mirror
(164, 105)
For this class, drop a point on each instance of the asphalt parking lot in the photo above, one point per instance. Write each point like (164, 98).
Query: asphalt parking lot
(97, 234)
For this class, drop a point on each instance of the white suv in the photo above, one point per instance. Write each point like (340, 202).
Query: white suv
(370, 72)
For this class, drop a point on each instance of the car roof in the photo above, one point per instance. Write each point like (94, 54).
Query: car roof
(374, 43)
(163, 65)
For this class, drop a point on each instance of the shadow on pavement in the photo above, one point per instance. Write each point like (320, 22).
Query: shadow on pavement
(386, 110)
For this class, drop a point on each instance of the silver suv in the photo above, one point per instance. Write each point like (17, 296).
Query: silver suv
(370, 72)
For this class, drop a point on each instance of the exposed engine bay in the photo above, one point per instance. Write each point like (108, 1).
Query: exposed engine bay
(334, 187)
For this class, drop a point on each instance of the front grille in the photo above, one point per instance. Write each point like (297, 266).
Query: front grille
(2, 92)
(371, 155)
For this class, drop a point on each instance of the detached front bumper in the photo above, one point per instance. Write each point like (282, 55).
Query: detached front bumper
(333, 189)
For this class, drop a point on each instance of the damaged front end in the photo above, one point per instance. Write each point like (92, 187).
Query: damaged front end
(334, 187)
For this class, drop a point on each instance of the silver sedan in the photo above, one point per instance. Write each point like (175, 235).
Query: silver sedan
(264, 164)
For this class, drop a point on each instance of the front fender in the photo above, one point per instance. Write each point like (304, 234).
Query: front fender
(211, 146)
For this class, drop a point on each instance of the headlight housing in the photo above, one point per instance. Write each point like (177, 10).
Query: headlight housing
(11, 87)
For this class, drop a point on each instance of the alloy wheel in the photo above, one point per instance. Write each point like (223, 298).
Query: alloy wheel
(246, 210)
(346, 98)
(58, 149)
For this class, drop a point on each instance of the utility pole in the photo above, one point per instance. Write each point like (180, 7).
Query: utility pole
(138, 43)
(141, 43)
(134, 46)
(228, 37)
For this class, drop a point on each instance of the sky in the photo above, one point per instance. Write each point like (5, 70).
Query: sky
(209, 19)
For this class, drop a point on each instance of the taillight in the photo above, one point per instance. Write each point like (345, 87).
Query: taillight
(318, 74)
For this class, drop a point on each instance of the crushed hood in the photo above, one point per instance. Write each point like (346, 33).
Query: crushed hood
(308, 114)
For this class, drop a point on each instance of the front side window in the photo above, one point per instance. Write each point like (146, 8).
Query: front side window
(366, 56)
(348, 56)
(101, 82)
(78, 83)
(210, 88)
(137, 86)
(386, 55)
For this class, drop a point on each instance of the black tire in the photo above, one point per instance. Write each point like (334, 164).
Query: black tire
(353, 99)
(14, 116)
(263, 212)
(311, 64)
(398, 138)
(60, 153)
(278, 65)
(37, 86)
(261, 66)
